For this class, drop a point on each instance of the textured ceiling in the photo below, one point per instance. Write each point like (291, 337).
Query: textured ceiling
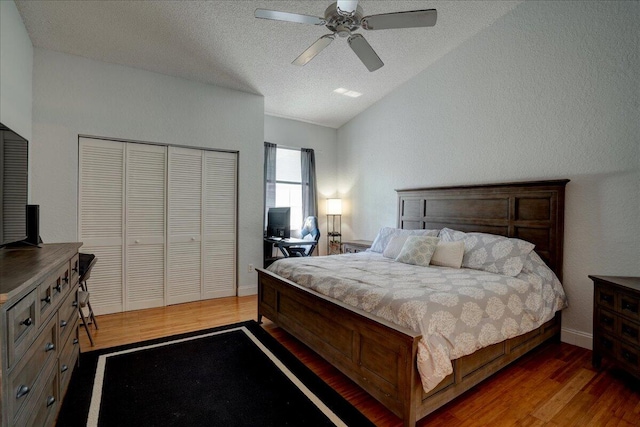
(220, 42)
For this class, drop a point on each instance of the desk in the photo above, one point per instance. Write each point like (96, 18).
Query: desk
(282, 245)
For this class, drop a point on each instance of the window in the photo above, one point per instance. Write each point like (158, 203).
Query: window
(289, 184)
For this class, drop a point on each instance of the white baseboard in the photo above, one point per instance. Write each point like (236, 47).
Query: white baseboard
(243, 291)
(579, 338)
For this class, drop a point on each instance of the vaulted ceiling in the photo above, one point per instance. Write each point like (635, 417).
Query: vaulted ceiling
(222, 43)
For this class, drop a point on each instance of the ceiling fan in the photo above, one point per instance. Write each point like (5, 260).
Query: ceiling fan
(344, 17)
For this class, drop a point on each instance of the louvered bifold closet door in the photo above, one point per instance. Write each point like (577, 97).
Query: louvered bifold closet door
(219, 235)
(184, 229)
(145, 231)
(101, 219)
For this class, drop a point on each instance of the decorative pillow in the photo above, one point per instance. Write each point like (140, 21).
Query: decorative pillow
(394, 247)
(386, 233)
(418, 250)
(448, 254)
(489, 252)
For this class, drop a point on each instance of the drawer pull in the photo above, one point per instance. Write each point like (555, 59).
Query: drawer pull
(50, 401)
(46, 299)
(75, 341)
(64, 368)
(74, 304)
(66, 279)
(629, 331)
(27, 322)
(58, 287)
(50, 346)
(74, 269)
(22, 391)
(607, 343)
(63, 323)
(606, 320)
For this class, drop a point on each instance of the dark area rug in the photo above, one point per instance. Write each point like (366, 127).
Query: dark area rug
(218, 377)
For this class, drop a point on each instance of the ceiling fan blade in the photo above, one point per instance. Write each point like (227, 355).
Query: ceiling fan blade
(289, 17)
(347, 7)
(411, 19)
(314, 49)
(365, 52)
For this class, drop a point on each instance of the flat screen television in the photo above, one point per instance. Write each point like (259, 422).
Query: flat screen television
(14, 186)
(278, 222)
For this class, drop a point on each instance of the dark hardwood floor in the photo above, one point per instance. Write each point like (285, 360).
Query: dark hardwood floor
(553, 386)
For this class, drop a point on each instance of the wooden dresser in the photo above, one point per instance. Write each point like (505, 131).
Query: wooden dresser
(38, 331)
(616, 321)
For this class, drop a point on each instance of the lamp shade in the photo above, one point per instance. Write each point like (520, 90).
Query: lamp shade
(334, 206)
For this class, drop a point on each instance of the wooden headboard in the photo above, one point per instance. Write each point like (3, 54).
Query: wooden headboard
(531, 211)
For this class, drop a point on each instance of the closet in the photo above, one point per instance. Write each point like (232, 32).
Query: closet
(160, 219)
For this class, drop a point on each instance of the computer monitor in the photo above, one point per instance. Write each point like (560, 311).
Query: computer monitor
(278, 222)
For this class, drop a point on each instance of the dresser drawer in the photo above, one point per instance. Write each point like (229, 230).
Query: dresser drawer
(628, 305)
(22, 327)
(606, 320)
(75, 269)
(629, 331)
(68, 358)
(60, 283)
(45, 408)
(605, 297)
(46, 297)
(68, 315)
(25, 380)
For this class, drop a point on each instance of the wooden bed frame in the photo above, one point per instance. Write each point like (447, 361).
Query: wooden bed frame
(380, 356)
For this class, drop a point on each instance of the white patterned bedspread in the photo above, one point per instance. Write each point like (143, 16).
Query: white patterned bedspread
(457, 311)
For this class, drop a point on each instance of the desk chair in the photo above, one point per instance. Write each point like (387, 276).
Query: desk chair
(309, 230)
(87, 261)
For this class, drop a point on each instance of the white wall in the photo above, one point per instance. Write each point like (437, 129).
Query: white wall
(296, 134)
(74, 95)
(16, 66)
(551, 90)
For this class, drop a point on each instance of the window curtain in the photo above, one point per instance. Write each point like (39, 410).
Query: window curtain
(269, 178)
(309, 187)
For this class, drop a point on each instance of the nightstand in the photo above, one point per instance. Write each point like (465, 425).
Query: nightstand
(616, 321)
(354, 246)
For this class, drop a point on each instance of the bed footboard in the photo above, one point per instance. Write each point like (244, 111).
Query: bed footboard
(379, 356)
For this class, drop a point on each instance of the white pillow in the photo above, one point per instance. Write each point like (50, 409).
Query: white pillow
(448, 254)
(418, 250)
(386, 233)
(395, 246)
